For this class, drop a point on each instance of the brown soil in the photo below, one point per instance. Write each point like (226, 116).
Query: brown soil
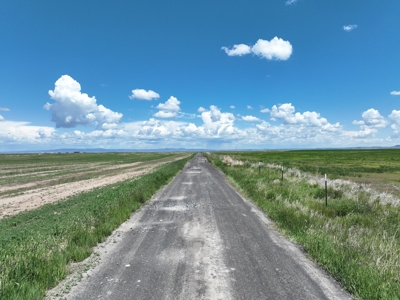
(36, 197)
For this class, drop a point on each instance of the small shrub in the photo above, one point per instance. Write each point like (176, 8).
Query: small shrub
(270, 195)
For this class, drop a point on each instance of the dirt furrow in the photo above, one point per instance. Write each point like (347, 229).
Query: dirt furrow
(35, 198)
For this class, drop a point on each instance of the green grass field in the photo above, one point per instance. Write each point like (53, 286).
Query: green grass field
(378, 167)
(356, 237)
(36, 246)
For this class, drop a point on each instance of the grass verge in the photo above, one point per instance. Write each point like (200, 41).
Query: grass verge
(36, 246)
(356, 239)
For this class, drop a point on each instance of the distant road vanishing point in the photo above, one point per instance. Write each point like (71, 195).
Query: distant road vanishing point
(199, 239)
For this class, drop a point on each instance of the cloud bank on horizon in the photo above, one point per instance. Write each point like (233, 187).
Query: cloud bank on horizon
(73, 109)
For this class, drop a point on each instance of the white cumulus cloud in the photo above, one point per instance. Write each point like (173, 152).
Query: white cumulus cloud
(250, 118)
(201, 109)
(286, 113)
(265, 110)
(249, 107)
(169, 109)
(349, 27)
(371, 118)
(290, 2)
(369, 125)
(1, 118)
(395, 116)
(144, 95)
(232, 107)
(395, 93)
(237, 50)
(72, 108)
(275, 49)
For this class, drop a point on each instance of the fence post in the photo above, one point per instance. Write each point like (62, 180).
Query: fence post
(282, 174)
(259, 168)
(326, 191)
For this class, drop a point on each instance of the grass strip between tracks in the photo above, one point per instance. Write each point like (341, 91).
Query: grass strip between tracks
(355, 239)
(36, 246)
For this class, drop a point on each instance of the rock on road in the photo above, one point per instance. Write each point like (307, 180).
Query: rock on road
(199, 239)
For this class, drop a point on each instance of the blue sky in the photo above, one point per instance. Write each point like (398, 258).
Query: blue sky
(216, 74)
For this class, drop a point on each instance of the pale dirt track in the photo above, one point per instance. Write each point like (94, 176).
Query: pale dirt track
(36, 197)
(198, 239)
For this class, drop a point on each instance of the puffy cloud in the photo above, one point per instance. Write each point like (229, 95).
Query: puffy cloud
(237, 50)
(275, 49)
(169, 109)
(216, 123)
(349, 27)
(299, 134)
(1, 118)
(72, 108)
(369, 125)
(156, 129)
(395, 93)
(250, 118)
(215, 115)
(232, 107)
(201, 109)
(265, 110)
(395, 116)
(249, 107)
(365, 132)
(144, 95)
(4, 109)
(286, 114)
(172, 104)
(217, 127)
(290, 2)
(371, 118)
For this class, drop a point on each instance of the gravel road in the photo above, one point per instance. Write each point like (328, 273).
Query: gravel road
(199, 239)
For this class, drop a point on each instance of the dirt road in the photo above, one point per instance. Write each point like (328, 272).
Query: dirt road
(199, 239)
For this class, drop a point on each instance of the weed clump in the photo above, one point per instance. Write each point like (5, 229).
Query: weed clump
(332, 193)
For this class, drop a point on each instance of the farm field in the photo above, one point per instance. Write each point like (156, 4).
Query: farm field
(356, 237)
(380, 168)
(28, 181)
(37, 246)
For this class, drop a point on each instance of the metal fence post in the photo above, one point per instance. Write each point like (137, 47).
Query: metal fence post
(326, 191)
